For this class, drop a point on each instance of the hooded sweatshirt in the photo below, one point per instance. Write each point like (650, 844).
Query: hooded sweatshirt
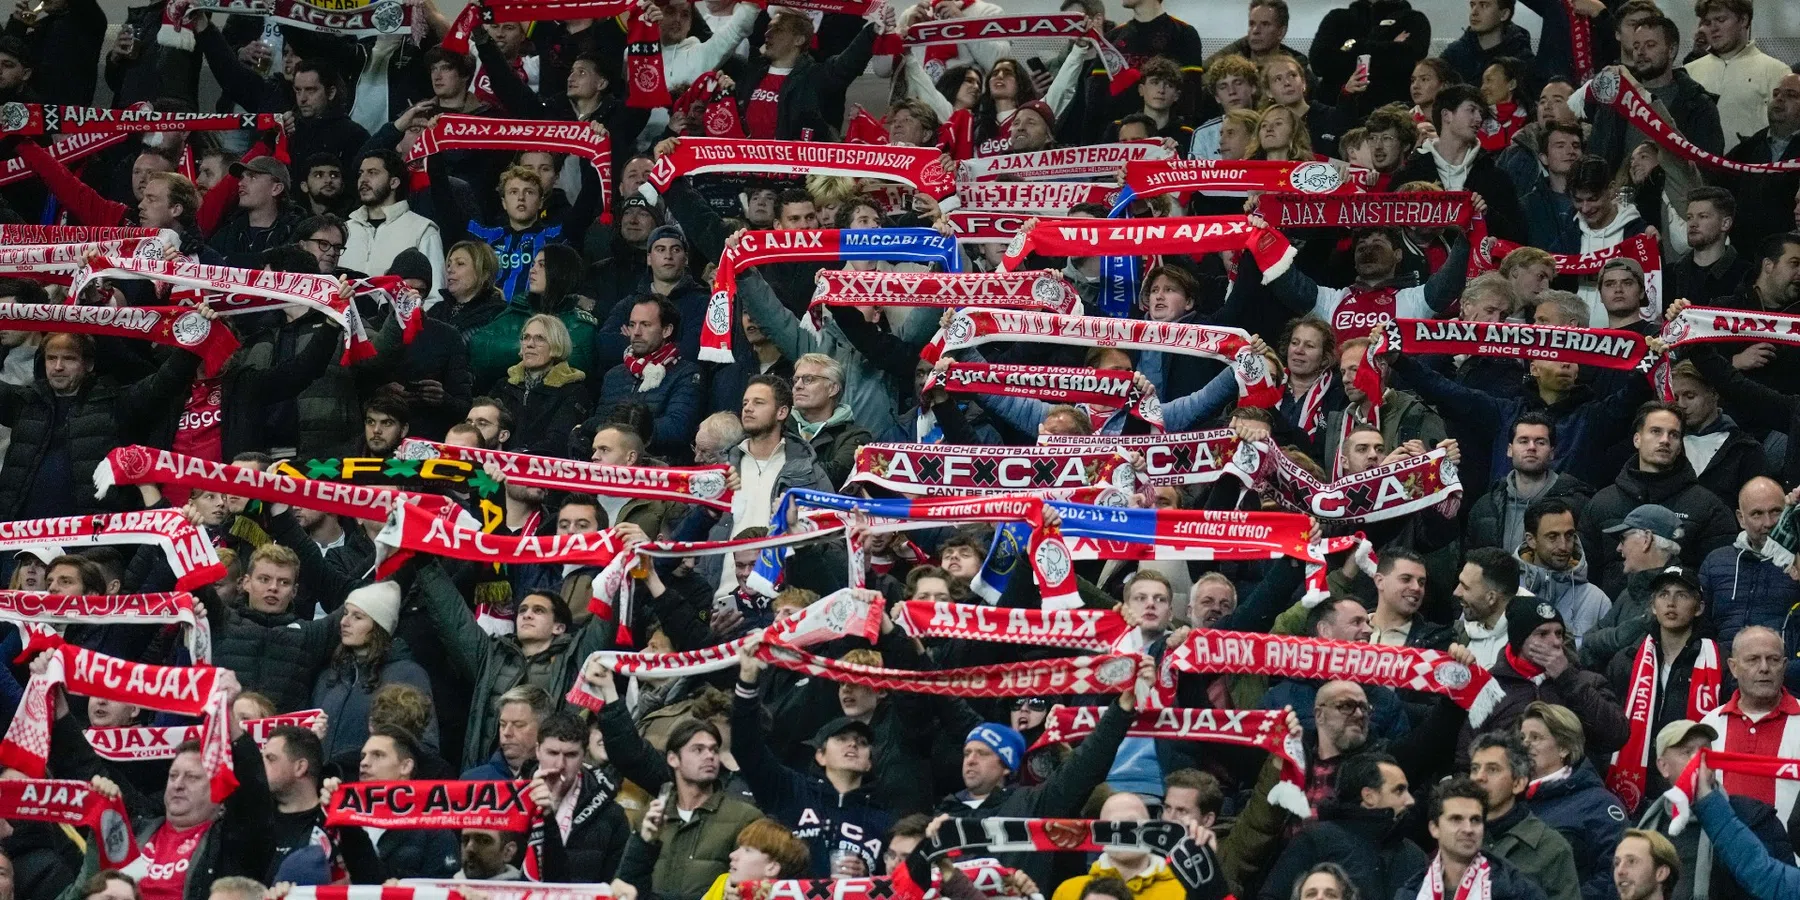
(1593, 239)
(1580, 604)
(1452, 175)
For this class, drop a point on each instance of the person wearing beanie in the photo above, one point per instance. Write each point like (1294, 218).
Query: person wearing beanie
(365, 660)
(434, 378)
(991, 759)
(1537, 664)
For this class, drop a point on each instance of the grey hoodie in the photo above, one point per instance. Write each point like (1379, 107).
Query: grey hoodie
(1581, 604)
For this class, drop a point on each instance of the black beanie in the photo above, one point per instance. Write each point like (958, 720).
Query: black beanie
(1525, 615)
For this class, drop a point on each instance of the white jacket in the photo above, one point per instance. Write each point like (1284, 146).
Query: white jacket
(686, 61)
(1743, 82)
(370, 249)
(1599, 239)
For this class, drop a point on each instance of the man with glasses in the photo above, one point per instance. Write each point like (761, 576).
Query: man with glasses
(822, 419)
(322, 236)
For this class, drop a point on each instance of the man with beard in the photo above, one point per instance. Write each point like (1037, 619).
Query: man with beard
(1712, 267)
(1364, 815)
(1398, 416)
(385, 425)
(383, 225)
(655, 374)
(321, 121)
(1486, 586)
(1651, 55)
(1765, 201)
(323, 190)
(771, 460)
(1376, 296)
(1399, 591)
(1498, 518)
(1553, 567)
(1776, 289)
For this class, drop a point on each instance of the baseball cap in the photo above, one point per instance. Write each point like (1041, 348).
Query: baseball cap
(41, 553)
(1658, 520)
(838, 726)
(1629, 265)
(1682, 574)
(667, 231)
(263, 165)
(1679, 730)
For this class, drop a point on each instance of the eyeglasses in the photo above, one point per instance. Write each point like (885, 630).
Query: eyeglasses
(809, 379)
(326, 247)
(1348, 707)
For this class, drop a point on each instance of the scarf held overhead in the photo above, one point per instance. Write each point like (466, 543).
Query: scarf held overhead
(583, 139)
(1099, 392)
(1101, 674)
(1093, 630)
(30, 119)
(756, 248)
(1155, 177)
(1614, 88)
(1258, 380)
(189, 553)
(1190, 457)
(170, 326)
(108, 609)
(53, 259)
(1185, 236)
(1032, 291)
(133, 743)
(1437, 209)
(1193, 865)
(1055, 26)
(1263, 729)
(67, 149)
(147, 465)
(1061, 162)
(700, 485)
(922, 168)
(1318, 659)
(955, 469)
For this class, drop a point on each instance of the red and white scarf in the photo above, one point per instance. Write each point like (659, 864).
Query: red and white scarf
(955, 470)
(646, 85)
(57, 261)
(40, 609)
(1097, 392)
(68, 149)
(1312, 404)
(1581, 41)
(841, 614)
(1184, 236)
(1318, 659)
(1189, 457)
(650, 368)
(1093, 630)
(1111, 673)
(1155, 176)
(1264, 729)
(461, 132)
(147, 465)
(1067, 26)
(171, 326)
(30, 119)
(414, 805)
(373, 891)
(920, 167)
(1061, 162)
(719, 116)
(1259, 382)
(1477, 881)
(421, 528)
(78, 234)
(1437, 209)
(1030, 291)
(986, 226)
(74, 803)
(182, 690)
(1604, 348)
(244, 290)
(189, 554)
(1630, 768)
(132, 743)
(1038, 198)
(699, 485)
(1707, 324)
(1396, 489)
(1681, 794)
(1614, 89)
(512, 890)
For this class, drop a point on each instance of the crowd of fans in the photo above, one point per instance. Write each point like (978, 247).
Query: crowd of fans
(1595, 521)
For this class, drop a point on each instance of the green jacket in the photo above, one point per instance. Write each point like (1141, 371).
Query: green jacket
(1538, 851)
(1404, 417)
(495, 346)
(695, 853)
(495, 665)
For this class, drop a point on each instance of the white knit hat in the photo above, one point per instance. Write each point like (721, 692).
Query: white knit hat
(379, 601)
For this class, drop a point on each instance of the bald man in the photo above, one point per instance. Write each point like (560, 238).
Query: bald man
(1745, 583)
(1150, 876)
(1761, 718)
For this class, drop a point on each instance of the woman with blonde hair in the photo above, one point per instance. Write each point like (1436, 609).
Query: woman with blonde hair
(1567, 793)
(469, 300)
(1280, 134)
(546, 396)
(1237, 133)
(1283, 82)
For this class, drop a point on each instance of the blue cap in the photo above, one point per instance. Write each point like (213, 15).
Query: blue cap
(1006, 743)
(306, 865)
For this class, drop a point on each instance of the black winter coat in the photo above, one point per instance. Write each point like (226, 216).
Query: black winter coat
(76, 33)
(272, 658)
(597, 835)
(1369, 843)
(437, 354)
(543, 413)
(1486, 525)
(1707, 523)
(100, 416)
(1505, 217)
(1578, 689)
(331, 133)
(1370, 27)
(1765, 202)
